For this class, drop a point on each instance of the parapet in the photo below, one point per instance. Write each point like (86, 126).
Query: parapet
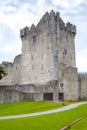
(24, 32)
(17, 59)
(32, 29)
(48, 21)
(61, 24)
(71, 28)
(6, 64)
(82, 76)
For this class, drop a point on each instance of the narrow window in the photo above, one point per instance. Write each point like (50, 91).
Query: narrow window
(67, 39)
(32, 67)
(31, 57)
(65, 51)
(63, 55)
(42, 56)
(41, 67)
(34, 39)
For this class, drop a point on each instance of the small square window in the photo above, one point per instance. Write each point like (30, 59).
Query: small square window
(61, 85)
(63, 65)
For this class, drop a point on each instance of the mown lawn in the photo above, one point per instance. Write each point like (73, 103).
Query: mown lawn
(27, 107)
(81, 125)
(48, 122)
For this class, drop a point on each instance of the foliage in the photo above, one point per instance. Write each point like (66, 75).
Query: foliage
(2, 72)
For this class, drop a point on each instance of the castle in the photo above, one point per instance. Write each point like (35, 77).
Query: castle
(46, 69)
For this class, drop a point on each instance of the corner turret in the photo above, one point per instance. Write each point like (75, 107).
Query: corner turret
(24, 33)
(71, 29)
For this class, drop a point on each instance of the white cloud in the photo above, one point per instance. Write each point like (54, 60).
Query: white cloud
(8, 48)
(17, 19)
(63, 3)
(81, 60)
(15, 14)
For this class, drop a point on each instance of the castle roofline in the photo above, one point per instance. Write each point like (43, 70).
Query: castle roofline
(45, 22)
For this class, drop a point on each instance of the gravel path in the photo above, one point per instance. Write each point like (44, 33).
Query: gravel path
(45, 112)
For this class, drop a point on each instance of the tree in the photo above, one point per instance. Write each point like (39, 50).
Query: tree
(2, 72)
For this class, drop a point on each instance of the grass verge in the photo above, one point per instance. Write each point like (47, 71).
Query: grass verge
(28, 107)
(48, 122)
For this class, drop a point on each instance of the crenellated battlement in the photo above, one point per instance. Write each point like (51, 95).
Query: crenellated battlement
(32, 29)
(48, 21)
(24, 32)
(71, 28)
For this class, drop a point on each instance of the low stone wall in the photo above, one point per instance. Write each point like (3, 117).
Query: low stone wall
(28, 92)
(83, 85)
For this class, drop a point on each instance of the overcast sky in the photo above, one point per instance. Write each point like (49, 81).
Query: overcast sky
(16, 14)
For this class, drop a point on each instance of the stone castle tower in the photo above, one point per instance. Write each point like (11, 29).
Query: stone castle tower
(47, 49)
(46, 69)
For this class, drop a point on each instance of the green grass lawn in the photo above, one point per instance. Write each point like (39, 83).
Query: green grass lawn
(27, 107)
(47, 122)
(82, 125)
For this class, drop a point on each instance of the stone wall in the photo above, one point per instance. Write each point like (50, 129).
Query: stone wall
(17, 70)
(13, 71)
(28, 92)
(47, 49)
(70, 80)
(40, 66)
(72, 88)
(83, 86)
(48, 55)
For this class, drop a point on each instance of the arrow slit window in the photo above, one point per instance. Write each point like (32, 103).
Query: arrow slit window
(34, 39)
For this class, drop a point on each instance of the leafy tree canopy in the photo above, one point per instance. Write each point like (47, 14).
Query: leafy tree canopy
(2, 72)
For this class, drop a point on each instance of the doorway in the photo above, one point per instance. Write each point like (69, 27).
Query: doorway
(61, 96)
(48, 96)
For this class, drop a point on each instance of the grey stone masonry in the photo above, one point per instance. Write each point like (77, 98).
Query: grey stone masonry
(46, 69)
